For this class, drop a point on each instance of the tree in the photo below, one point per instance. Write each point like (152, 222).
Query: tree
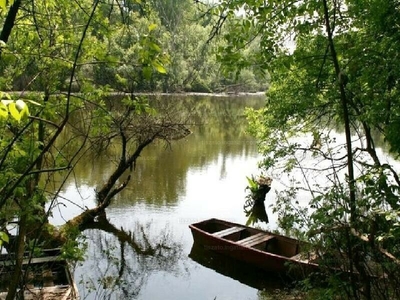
(45, 135)
(324, 58)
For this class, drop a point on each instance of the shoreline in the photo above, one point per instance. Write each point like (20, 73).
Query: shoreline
(257, 94)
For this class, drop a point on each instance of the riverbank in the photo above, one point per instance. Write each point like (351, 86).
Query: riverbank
(26, 94)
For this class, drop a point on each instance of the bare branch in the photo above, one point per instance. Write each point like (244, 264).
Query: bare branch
(45, 121)
(49, 170)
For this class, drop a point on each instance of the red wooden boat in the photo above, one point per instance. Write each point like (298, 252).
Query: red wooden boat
(47, 276)
(262, 249)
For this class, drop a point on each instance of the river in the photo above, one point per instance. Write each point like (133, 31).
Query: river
(144, 251)
(199, 177)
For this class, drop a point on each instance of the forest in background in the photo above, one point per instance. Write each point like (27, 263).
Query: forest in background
(121, 43)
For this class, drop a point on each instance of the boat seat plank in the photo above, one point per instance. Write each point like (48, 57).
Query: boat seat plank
(228, 231)
(36, 260)
(255, 239)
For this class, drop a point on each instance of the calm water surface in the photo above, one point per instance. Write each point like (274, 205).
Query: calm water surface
(143, 252)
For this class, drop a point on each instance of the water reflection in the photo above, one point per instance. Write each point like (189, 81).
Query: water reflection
(218, 133)
(201, 176)
(120, 261)
(256, 213)
(196, 178)
(237, 270)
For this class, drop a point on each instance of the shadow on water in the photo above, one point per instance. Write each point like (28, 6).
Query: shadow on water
(254, 206)
(250, 276)
(256, 213)
(120, 262)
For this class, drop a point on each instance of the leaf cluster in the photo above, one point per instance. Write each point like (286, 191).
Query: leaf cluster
(312, 71)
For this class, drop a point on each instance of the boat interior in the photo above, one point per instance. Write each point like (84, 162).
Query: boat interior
(39, 275)
(258, 239)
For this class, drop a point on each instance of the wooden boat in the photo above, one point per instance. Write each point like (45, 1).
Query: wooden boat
(47, 277)
(261, 249)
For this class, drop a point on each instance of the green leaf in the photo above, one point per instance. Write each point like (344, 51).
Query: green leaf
(4, 237)
(121, 80)
(33, 102)
(252, 183)
(152, 27)
(24, 113)
(147, 72)
(160, 68)
(6, 102)
(3, 111)
(154, 47)
(3, 4)
(14, 111)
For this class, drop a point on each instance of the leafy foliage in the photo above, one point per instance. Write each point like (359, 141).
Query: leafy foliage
(53, 48)
(333, 68)
(5, 3)
(3, 238)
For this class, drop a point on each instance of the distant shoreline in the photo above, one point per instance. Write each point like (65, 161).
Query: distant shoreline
(258, 94)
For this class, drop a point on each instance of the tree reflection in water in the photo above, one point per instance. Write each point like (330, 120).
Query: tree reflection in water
(120, 262)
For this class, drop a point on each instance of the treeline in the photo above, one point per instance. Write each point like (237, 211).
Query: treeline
(158, 46)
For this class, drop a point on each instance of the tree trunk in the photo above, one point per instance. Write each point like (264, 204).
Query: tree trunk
(10, 21)
(19, 253)
(353, 249)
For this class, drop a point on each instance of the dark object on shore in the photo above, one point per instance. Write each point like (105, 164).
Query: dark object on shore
(257, 248)
(46, 276)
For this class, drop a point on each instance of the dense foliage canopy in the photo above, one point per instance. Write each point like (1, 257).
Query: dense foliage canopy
(334, 95)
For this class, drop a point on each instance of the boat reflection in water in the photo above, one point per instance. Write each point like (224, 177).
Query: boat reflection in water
(235, 269)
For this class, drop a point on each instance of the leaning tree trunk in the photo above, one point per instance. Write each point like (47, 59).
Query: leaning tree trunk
(355, 252)
(10, 21)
